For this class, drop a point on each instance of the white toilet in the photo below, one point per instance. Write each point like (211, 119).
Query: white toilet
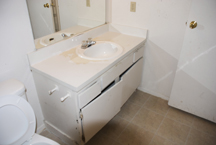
(17, 118)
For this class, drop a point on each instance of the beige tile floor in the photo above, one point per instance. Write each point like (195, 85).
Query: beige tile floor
(148, 120)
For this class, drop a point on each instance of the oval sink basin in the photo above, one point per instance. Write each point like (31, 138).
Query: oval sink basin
(102, 50)
(53, 38)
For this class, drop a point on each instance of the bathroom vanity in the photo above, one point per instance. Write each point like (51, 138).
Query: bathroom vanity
(79, 96)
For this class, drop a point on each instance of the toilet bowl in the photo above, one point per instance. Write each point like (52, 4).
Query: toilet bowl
(17, 119)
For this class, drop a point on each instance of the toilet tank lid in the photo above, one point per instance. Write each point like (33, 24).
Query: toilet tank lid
(11, 87)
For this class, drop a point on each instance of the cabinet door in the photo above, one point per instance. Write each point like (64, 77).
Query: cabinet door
(131, 80)
(89, 94)
(100, 111)
(116, 70)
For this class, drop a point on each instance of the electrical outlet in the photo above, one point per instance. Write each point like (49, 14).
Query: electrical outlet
(88, 3)
(133, 7)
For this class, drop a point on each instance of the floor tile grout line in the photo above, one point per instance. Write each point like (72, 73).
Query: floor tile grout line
(154, 112)
(192, 126)
(166, 139)
(188, 136)
(201, 130)
(204, 132)
(160, 125)
(179, 122)
(165, 116)
(171, 140)
(133, 118)
(152, 139)
(115, 139)
(140, 109)
(169, 117)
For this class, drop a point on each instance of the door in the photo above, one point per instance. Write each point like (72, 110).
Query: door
(41, 17)
(194, 88)
(101, 110)
(131, 80)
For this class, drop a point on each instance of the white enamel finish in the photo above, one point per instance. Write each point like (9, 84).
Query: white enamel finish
(194, 88)
(102, 50)
(139, 53)
(65, 97)
(40, 140)
(116, 70)
(53, 38)
(17, 121)
(41, 18)
(61, 115)
(131, 80)
(90, 93)
(53, 90)
(99, 112)
(12, 87)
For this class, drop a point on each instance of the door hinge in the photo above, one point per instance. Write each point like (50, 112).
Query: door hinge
(81, 116)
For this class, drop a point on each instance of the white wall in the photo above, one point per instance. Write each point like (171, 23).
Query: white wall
(16, 41)
(165, 20)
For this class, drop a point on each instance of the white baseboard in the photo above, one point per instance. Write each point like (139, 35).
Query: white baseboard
(40, 129)
(153, 93)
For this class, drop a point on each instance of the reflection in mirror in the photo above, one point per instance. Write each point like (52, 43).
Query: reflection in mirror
(56, 20)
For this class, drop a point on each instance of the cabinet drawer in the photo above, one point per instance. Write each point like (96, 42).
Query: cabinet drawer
(89, 94)
(131, 80)
(138, 54)
(116, 70)
(99, 112)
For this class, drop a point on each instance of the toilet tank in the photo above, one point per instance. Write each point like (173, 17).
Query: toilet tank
(12, 87)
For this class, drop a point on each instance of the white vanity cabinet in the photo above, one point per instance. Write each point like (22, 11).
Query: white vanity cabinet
(77, 116)
(80, 96)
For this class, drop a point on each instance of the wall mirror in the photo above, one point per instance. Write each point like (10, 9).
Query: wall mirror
(55, 20)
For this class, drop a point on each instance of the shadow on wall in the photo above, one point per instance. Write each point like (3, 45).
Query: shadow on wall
(159, 71)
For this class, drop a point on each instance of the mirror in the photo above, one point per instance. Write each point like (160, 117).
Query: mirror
(56, 20)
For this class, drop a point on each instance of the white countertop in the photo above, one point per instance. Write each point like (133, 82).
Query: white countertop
(75, 72)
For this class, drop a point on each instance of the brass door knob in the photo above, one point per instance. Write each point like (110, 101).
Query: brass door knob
(193, 24)
(46, 5)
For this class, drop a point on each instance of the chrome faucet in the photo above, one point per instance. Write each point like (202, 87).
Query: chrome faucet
(88, 43)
